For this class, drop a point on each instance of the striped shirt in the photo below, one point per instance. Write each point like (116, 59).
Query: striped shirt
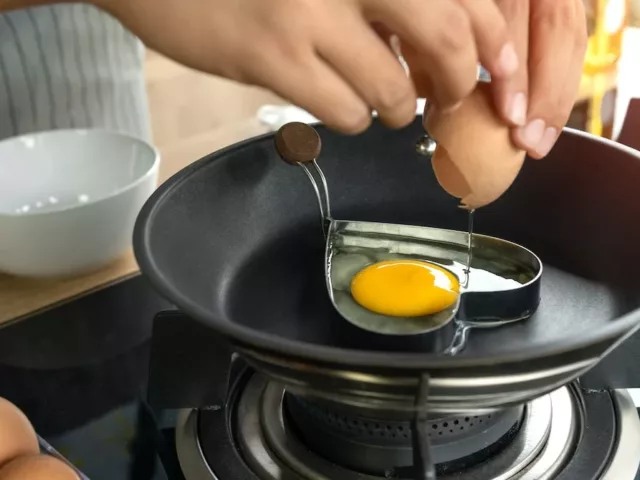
(70, 66)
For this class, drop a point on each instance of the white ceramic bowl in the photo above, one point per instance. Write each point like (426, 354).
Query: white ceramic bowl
(69, 199)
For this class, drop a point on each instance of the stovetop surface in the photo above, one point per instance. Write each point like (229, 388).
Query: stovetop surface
(80, 373)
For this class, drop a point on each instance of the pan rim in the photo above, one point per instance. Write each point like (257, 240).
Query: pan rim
(620, 328)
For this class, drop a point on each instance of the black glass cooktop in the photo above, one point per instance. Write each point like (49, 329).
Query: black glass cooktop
(79, 372)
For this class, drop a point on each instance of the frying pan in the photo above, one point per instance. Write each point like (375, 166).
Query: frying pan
(234, 241)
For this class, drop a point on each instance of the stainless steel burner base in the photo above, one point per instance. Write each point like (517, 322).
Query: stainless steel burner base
(546, 440)
(625, 462)
(190, 455)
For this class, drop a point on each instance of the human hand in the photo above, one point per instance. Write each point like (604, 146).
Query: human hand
(552, 43)
(325, 56)
(550, 37)
(551, 40)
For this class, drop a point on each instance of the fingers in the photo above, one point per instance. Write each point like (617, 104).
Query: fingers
(570, 89)
(370, 67)
(511, 94)
(437, 40)
(496, 51)
(314, 86)
(556, 39)
(421, 73)
(443, 40)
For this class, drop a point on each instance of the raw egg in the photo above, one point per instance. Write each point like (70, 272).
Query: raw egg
(405, 288)
(17, 436)
(37, 467)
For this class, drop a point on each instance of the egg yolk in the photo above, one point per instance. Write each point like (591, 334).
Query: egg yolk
(405, 288)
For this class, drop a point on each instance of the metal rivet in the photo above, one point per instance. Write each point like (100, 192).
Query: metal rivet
(426, 146)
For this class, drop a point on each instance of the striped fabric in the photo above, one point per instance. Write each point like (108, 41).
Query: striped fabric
(70, 66)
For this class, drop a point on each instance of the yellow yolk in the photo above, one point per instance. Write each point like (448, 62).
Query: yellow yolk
(405, 288)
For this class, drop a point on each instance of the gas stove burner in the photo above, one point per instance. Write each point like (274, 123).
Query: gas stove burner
(273, 431)
(379, 446)
(273, 448)
(267, 433)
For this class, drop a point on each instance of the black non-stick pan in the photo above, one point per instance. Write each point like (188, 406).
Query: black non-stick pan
(234, 240)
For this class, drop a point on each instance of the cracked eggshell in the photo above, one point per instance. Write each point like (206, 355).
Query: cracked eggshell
(475, 159)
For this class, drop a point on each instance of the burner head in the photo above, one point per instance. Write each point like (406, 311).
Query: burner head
(378, 446)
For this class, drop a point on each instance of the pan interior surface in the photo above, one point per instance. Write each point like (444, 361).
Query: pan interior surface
(236, 239)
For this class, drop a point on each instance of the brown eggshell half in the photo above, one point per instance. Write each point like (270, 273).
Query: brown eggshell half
(37, 467)
(17, 436)
(475, 159)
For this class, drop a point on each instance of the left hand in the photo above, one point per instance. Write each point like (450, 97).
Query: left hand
(550, 38)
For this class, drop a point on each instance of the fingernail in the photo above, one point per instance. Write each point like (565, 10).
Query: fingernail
(508, 60)
(517, 109)
(547, 142)
(531, 135)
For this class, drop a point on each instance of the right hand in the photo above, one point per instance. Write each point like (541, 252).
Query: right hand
(326, 56)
